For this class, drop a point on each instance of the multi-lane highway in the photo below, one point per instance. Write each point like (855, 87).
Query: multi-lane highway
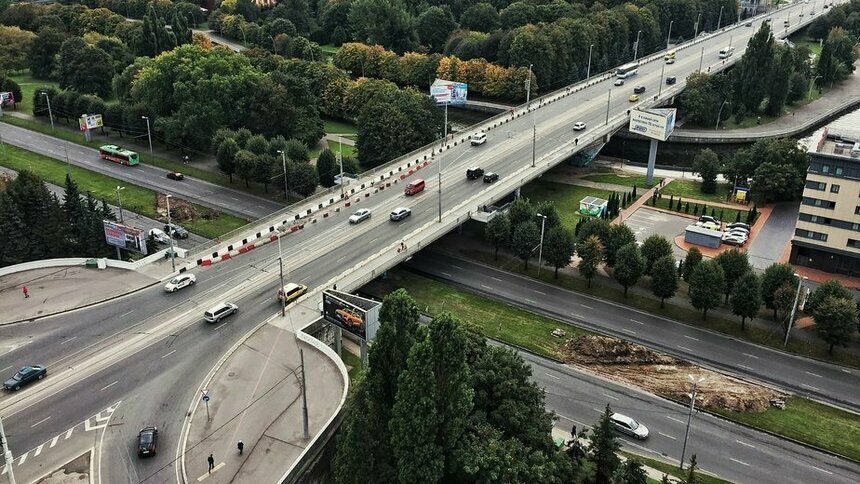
(149, 351)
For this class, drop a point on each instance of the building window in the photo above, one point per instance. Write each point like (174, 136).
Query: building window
(814, 185)
(854, 243)
(834, 188)
(817, 202)
(855, 227)
(825, 168)
(857, 210)
(813, 219)
(838, 170)
(808, 234)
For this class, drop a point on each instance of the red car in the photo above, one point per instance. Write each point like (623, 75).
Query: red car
(175, 175)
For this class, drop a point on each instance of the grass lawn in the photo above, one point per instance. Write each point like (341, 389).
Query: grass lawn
(338, 126)
(811, 422)
(352, 362)
(134, 198)
(495, 320)
(728, 215)
(28, 86)
(329, 49)
(566, 198)
(347, 149)
(615, 179)
(672, 469)
(693, 189)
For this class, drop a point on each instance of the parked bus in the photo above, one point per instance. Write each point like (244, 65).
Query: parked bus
(627, 70)
(726, 52)
(670, 55)
(118, 155)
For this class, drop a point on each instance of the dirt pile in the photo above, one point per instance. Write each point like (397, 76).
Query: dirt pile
(181, 210)
(664, 375)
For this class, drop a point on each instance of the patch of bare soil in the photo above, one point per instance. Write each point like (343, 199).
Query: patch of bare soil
(181, 210)
(664, 375)
(76, 471)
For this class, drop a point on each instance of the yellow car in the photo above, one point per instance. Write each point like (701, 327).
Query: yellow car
(633, 98)
(292, 291)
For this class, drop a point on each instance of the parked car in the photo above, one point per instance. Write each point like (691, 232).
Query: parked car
(491, 177)
(176, 231)
(159, 236)
(739, 230)
(147, 441)
(359, 216)
(24, 376)
(293, 291)
(738, 225)
(748, 24)
(619, 82)
(638, 89)
(474, 173)
(627, 425)
(182, 280)
(708, 218)
(709, 225)
(399, 213)
(219, 312)
(731, 239)
(579, 126)
(633, 98)
(671, 80)
(175, 175)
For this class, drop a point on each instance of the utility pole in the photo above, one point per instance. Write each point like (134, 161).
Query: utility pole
(304, 396)
(608, 99)
(701, 58)
(286, 190)
(340, 161)
(662, 70)
(50, 113)
(636, 46)
(119, 202)
(281, 269)
(720, 20)
(668, 37)
(696, 32)
(540, 247)
(528, 106)
(170, 235)
(695, 381)
(7, 454)
(148, 136)
(587, 72)
(793, 308)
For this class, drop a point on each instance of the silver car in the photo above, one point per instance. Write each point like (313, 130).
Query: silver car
(399, 213)
(627, 425)
(359, 216)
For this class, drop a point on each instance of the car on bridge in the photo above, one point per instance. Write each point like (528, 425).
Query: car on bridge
(491, 177)
(147, 441)
(359, 216)
(670, 60)
(399, 213)
(671, 80)
(627, 425)
(293, 291)
(24, 376)
(619, 82)
(633, 98)
(579, 126)
(478, 139)
(180, 281)
(638, 89)
(474, 173)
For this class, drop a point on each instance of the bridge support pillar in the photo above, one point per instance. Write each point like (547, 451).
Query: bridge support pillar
(338, 340)
(652, 160)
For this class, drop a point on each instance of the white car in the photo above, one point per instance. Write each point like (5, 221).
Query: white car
(627, 425)
(708, 225)
(359, 216)
(399, 213)
(579, 126)
(734, 239)
(180, 281)
(670, 60)
(619, 82)
(159, 236)
(739, 231)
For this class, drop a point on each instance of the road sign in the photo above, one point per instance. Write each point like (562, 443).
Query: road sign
(205, 398)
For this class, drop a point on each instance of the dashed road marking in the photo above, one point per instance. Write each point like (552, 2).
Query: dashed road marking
(552, 376)
(219, 326)
(675, 420)
(746, 444)
(739, 461)
(495, 279)
(813, 374)
(529, 301)
(822, 470)
(54, 441)
(167, 354)
(667, 436)
(692, 338)
(457, 267)
(446, 274)
(586, 307)
(750, 356)
(208, 473)
(109, 385)
(685, 348)
(126, 314)
(628, 331)
(809, 386)
(539, 292)
(610, 396)
(41, 421)
(67, 340)
(746, 367)
(486, 287)
(846, 371)
(341, 259)
(38, 450)
(637, 322)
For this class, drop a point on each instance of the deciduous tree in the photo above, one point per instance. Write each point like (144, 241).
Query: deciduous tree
(498, 232)
(829, 288)
(664, 278)
(775, 276)
(590, 253)
(836, 321)
(707, 165)
(630, 266)
(525, 238)
(707, 284)
(558, 247)
(746, 297)
(653, 248)
(735, 264)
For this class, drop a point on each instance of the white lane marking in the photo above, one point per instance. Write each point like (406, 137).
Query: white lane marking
(675, 420)
(685, 348)
(38, 450)
(822, 470)
(576, 316)
(69, 433)
(219, 326)
(628, 331)
(4, 369)
(109, 385)
(54, 441)
(692, 338)
(846, 371)
(539, 292)
(457, 267)
(667, 436)
(813, 374)
(597, 410)
(126, 314)
(446, 274)
(637, 322)
(529, 301)
(585, 425)
(750, 356)
(745, 367)
(214, 469)
(167, 354)
(552, 376)
(341, 259)
(746, 444)
(586, 307)
(739, 461)
(809, 386)
(23, 459)
(67, 340)
(610, 396)
(373, 240)
(486, 287)
(495, 279)
(41, 421)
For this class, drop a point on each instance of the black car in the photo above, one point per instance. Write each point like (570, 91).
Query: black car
(175, 231)
(474, 173)
(491, 177)
(147, 441)
(639, 89)
(671, 80)
(24, 376)
(175, 175)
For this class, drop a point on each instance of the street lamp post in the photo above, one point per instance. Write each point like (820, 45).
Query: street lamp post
(668, 37)
(534, 131)
(720, 114)
(720, 19)
(170, 236)
(696, 27)
(286, 190)
(340, 161)
(281, 271)
(588, 70)
(636, 46)
(7, 454)
(119, 203)
(701, 59)
(148, 135)
(50, 113)
(696, 382)
(662, 70)
(608, 100)
(540, 247)
(793, 308)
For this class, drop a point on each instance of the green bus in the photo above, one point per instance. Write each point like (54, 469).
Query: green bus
(118, 155)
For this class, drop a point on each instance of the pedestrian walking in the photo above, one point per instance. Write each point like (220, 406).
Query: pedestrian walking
(25, 291)
(573, 432)
(241, 447)
(211, 460)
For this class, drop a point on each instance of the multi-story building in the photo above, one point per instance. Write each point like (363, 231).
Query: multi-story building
(827, 235)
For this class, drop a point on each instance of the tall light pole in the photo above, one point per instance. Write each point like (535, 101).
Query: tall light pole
(529, 89)
(281, 270)
(7, 454)
(286, 190)
(701, 59)
(636, 46)
(540, 247)
(696, 26)
(340, 161)
(170, 236)
(793, 307)
(720, 114)
(696, 382)
(534, 133)
(148, 136)
(662, 70)
(587, 71)
(119, 202)
(608, 99)
(50, 113)
(668, 37)
(720, 19)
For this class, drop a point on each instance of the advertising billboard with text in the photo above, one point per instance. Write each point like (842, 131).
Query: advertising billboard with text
(90, 121)
(653, 123)
(352, 313)
(449, 92)
(125, 237)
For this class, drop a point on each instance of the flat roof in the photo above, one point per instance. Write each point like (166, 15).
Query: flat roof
(703, 231)
(839, 142)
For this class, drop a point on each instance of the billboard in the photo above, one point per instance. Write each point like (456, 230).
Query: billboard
(352, 313)
(125, 237)
(449, 92)
(653, 123)
(7, 98)
(90, 121)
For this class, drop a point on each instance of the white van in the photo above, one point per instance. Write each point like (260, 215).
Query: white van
(478, 139)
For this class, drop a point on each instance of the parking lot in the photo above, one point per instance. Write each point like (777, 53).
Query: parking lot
(645, 222)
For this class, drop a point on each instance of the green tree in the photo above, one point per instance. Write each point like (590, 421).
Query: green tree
(44, 51)
(524, 239)
(521, 211)
(604, 448)
(303, 178)
(836, 321)
(16, 47)
(481, 17)
(590, 253)
(746, 297)
(327, 167)
(775, 276)
(700, 100)
(630, 472)
(384, 22)
(707, 165)
(619, 236)
(558, 247)
(829, 288)
(664, 278)
(707, 284)
(244, 163)
(226, 157)
(692, 476)
(156, 38)
(693, 258)
(655, 247)
(630, 266)
(783, 303)
(498, 232)
(780, 80)
(735, 264)
(750, 87)
(434, 25)
(548, 210)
